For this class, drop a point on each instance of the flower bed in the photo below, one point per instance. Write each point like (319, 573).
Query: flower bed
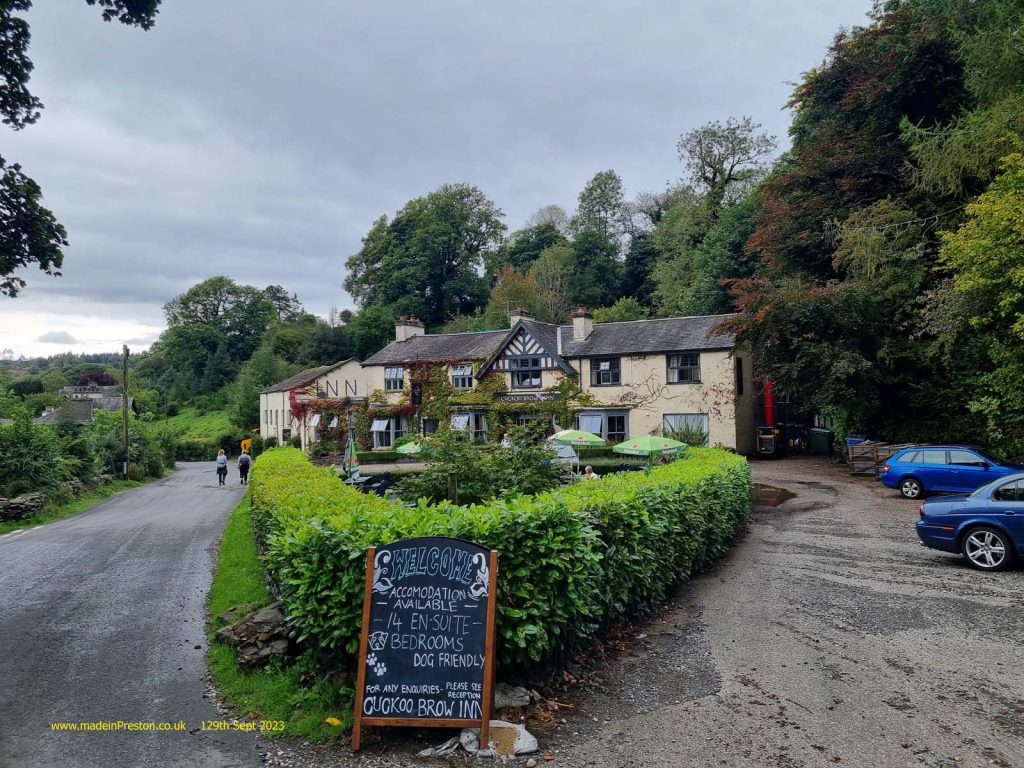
(573, 561)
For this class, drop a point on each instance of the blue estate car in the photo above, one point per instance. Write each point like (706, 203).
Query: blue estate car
(986, 526)
(924, 469)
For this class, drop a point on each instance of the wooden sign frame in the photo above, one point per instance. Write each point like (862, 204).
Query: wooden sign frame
(487, 703)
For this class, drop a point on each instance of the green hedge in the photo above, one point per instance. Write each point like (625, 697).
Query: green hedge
(573, 560)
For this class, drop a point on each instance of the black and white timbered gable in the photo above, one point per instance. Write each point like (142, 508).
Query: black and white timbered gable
(526, 348)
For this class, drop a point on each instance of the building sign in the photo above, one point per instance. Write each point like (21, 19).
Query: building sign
(525, 397)
(426, 654)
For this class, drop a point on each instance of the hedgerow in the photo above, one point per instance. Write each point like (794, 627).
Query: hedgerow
(573, 560)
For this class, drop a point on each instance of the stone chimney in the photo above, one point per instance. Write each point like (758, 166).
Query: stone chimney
(519, 313)
(582, 324)
(407, 327)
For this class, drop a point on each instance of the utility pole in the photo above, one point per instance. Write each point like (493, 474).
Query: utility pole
(124, 394)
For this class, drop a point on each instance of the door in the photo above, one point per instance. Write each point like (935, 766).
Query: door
(1007, 506)
(933, 470)
(967, 470)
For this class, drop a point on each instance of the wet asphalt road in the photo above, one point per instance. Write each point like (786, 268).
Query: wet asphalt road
(102, 618)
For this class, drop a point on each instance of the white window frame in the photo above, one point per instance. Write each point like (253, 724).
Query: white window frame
(386, 431)
(604, 374)
(603, 416)
(701, 421)
(479, 422)
(516, 367)
(462, 376)
(394, 378)
(460, 421)
(679, 371)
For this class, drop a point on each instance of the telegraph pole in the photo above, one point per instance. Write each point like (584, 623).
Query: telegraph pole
(124, 394)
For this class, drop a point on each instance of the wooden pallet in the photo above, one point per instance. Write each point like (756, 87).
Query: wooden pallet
(868, 458)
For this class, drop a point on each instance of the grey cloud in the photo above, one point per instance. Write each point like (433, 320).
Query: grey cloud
(57, 337)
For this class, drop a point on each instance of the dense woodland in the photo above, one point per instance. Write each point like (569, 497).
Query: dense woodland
(876, 265)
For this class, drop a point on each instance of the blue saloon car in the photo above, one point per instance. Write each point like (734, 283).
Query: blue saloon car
(986, 526)
(923, 469)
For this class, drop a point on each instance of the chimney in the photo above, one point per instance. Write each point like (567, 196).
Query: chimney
(519, 313)
(582, 324)
(407, 327)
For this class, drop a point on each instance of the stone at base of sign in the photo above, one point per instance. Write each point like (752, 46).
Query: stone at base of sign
(440, 751)
(506, 696)
(506, 739)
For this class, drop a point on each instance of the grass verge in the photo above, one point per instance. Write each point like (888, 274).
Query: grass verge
(52, 512)
(292, 693)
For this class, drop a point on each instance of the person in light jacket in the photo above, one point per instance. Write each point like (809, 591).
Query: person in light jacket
(222, 467)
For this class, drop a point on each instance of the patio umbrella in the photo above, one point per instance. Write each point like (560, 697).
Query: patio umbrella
(577, 439)
(351, 463)
(651, 446)
(408, 448)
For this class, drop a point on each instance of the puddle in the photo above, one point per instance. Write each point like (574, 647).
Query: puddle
(769, 495)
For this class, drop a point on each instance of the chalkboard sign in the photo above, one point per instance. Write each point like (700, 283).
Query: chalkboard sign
(426, 655)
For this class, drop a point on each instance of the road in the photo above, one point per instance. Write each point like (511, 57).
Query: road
(102, 619)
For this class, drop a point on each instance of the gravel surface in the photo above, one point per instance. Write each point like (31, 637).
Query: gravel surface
(827, 636)
(102, 618)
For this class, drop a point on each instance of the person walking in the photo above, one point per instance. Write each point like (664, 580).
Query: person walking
(222, 467)
(244, 462)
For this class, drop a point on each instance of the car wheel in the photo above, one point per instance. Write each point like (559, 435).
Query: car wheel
(911, 488)
(987, 549)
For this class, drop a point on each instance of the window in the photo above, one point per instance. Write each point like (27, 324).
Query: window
(684, 368)
(315, 421)
(525, 372)
(966, 458)
(690, 428)
(611, 425)
(739, 376)
(429, 426)
(911, 457)
(522, 419)
(462, 376)
(605, 372)
(386, 431)
(460, 421)
(1010, 492)
(480, 427)
(394, 379)
(615, 427)
(933, 457)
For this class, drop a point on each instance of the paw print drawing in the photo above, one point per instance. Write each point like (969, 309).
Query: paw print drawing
(379, 668)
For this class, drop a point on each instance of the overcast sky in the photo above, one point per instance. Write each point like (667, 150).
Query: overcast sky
(260, 139)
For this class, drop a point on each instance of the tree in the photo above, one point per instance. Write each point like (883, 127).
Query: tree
(523, 247)
(551, 274)
(987, 256)
(263, 369)
(554, 215)
(601, 207)
(287, 306)
(239, 314)
(719, 156)
(372, 328)
(427, 261)
(593, 280)
(626, 308)
(514, 288)
(218, 370)
(29, 233)
(638, 269)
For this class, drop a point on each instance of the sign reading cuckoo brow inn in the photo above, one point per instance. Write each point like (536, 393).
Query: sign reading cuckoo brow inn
(426, 654)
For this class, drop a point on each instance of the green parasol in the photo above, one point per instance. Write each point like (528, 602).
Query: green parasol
(651, 445)
(576, 437)
(408, 448)
(351, 463)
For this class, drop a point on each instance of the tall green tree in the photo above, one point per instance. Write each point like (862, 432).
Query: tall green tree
(601, 207)
(428, 260)
(263, 369)
(523, 247)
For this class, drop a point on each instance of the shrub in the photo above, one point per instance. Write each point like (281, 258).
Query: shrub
(573, 560)
(31, 459)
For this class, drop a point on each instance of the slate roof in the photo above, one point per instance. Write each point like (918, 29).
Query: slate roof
(303, 377)
(80, 411)
(471, 345)
(672, 334)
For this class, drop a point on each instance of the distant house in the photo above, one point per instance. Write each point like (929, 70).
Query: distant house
(289, 408)
(80, 409)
